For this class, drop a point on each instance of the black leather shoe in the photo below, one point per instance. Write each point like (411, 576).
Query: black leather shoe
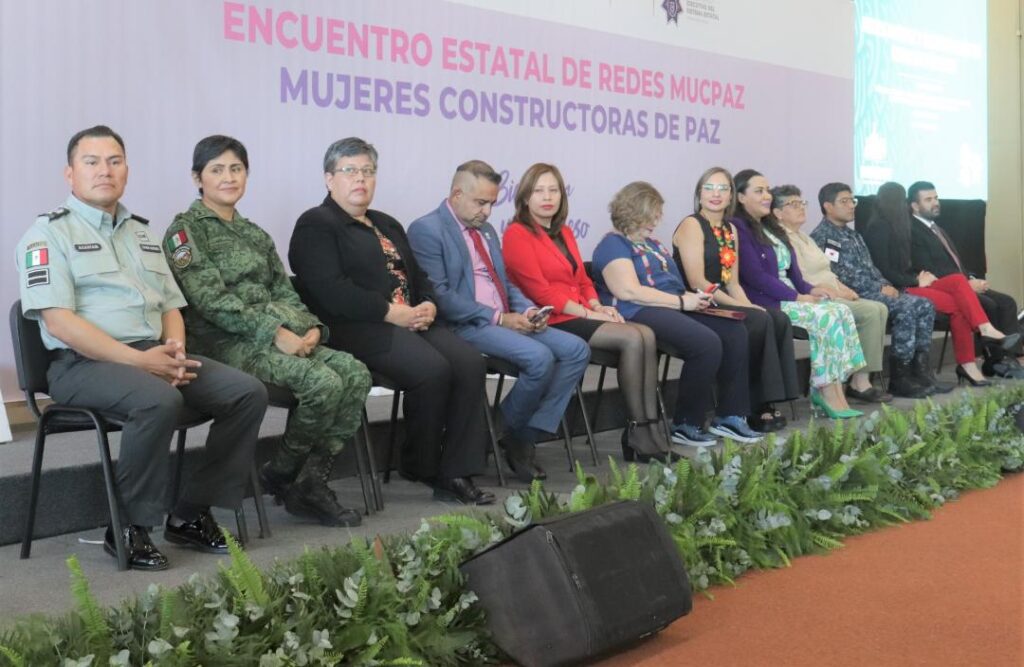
(519, 456)
(871, 395)
(462, 490)
(142, 553)
(1006, 343)
(1007, 367)
(203, 534)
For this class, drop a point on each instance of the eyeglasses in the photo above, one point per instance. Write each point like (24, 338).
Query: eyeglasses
(847, 201)
(716, 187)
(350, 172)
(796, 203)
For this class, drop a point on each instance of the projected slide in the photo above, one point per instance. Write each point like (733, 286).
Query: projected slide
(921, 102)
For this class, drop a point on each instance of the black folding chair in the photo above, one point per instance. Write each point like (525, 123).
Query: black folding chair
(605, 359)
(503, 368)
(282, 397)
(32, 360)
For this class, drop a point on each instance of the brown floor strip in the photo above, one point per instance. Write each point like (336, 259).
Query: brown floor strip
(949, 592)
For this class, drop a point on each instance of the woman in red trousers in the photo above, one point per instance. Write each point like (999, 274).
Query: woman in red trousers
(542, 259)
(888, 238)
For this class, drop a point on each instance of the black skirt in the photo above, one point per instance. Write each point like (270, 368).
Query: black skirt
(580, 326)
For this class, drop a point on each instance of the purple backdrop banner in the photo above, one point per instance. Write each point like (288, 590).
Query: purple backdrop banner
(431, 84)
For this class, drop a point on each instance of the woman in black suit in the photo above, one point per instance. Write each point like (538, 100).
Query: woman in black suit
(356, 271)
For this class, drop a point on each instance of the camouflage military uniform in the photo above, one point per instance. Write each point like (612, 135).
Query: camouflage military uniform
(238, 295)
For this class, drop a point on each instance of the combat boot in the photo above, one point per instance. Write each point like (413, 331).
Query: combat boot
(311, 498)
(277, 474)
(902, 382)
(921, 367)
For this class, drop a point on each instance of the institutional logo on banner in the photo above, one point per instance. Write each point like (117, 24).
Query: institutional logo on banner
(672, 9)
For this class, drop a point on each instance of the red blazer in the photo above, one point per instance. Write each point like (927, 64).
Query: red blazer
(536, 265)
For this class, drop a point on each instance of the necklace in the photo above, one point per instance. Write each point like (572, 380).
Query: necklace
(726, 249)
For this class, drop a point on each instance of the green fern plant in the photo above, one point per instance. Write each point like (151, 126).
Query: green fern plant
(94, 619)
(244, 577)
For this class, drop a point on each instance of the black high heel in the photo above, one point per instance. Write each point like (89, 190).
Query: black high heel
(629, 454)
(962, 376)
(1007, 342)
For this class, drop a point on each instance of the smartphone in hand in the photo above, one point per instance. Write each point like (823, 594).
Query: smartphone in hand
(540, 314)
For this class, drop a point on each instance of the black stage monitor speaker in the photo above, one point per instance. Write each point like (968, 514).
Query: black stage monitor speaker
(566, 590)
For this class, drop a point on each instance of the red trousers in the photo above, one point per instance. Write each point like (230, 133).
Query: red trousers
(952, 295)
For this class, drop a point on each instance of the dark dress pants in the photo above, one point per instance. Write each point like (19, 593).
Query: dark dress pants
(443, 378)
(1002, 313)
(714, 352)
(151, 409)
(772, 360)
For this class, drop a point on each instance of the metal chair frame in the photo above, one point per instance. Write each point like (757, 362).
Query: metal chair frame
(32, 360)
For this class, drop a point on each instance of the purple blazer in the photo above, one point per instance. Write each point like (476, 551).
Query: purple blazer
(759, 271)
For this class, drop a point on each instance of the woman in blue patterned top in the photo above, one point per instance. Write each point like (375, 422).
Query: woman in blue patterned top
(635, 273)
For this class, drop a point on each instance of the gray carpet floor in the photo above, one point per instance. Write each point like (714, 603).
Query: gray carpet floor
(40, 584)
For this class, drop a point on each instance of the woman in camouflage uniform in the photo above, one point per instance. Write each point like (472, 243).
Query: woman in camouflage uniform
(244, 312)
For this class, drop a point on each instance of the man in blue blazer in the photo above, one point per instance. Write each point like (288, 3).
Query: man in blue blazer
(460, 252)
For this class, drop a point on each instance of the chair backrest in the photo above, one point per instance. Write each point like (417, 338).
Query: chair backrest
(31, 357)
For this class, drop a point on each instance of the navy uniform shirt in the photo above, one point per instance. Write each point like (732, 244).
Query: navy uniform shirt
(850, 258)
(109, 270)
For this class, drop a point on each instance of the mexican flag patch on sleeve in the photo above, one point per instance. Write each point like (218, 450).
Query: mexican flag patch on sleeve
(176, 239)
(37, 257)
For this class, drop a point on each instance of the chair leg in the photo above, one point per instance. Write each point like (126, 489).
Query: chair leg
(599, 396)
(586, 424)
(108, 480)
(391, 436)
(243, 527)
(665, 421)
(361, 469)
(495, 451)
(179, 465)
(942, 351)
(567, 436)
(375, 486)
(33, 497)
(376, 491)
(257, 497)
(497, 391)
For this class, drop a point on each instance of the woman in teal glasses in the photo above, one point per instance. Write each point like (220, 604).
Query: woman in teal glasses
(706, 251)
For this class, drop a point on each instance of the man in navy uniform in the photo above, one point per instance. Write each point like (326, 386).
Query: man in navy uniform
(95, 278)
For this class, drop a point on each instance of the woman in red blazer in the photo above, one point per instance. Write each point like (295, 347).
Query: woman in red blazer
(542, 259)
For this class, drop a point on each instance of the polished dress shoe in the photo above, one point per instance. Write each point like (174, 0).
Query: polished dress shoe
(462, 490)
(519, 456)
(202, 534)
(142, 553)
(1006, 343)
(870, 395)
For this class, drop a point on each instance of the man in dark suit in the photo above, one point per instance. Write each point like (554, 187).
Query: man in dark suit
(459, 251)
(933, 250)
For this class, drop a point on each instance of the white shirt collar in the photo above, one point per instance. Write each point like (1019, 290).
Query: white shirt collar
(927, 223)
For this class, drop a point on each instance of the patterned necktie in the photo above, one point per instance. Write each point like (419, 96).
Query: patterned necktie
(481, 249)
(947, 245)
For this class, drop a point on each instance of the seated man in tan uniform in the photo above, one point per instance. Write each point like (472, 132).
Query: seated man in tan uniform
(869, 316)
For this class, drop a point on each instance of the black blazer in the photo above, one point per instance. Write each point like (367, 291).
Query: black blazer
(928, 252)
(894, 263)
(343, 278)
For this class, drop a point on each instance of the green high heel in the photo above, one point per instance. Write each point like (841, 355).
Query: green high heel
(818, 401)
